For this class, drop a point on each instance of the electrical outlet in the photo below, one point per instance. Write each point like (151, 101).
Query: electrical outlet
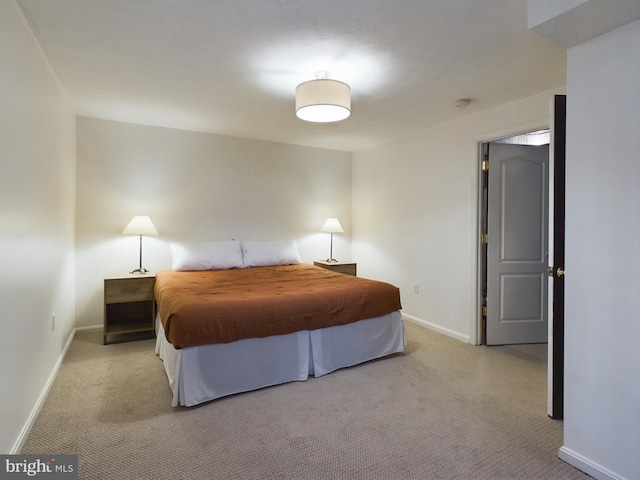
(416, 288)
(53, 322)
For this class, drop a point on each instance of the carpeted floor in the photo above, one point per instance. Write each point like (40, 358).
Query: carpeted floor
(441, 410)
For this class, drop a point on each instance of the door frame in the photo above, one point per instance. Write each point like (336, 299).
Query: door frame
(476, 292)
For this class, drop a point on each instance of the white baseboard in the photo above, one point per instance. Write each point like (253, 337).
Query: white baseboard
(437, 328)
(587, 466)
(89, 328)
(43, 396)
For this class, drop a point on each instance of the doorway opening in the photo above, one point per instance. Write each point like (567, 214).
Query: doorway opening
(555, 140)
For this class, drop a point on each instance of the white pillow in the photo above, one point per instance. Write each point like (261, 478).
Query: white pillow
(278, 252)
(205, 255)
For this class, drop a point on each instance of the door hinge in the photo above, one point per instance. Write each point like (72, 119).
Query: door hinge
(484, 238)
(484, 311)
(485, 165)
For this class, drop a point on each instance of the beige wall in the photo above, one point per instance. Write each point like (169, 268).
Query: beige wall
(415, 204)
(602, 301)
(37, 194)
(197, 186)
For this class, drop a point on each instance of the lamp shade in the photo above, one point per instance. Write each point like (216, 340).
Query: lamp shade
(332, 225)
(323, 100)
(140, 225)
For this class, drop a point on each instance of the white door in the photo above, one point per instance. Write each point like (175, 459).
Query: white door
(517, 244)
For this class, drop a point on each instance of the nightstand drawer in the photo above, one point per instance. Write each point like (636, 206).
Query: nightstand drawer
(128, 290)
(348, 268)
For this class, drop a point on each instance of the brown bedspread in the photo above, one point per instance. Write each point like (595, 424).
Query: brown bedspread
(222, 306)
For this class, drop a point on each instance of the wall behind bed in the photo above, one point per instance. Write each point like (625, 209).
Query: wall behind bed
(196, 186)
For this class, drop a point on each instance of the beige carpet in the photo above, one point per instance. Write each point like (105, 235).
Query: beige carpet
(441, 410)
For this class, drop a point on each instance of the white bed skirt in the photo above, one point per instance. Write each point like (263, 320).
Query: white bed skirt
(203, 373)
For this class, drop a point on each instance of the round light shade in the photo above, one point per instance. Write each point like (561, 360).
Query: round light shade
(323, 100)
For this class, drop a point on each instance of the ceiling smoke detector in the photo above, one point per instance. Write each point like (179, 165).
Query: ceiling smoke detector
(462, 103)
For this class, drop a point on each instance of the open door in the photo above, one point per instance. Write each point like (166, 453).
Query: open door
(555, 378)
(518, 228)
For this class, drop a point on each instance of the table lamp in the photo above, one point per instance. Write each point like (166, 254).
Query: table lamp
(332, 225)
(140, 225)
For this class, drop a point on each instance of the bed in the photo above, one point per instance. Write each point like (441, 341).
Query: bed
(265, 320)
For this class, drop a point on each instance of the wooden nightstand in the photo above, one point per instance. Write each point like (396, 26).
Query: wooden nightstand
(348, 268)
(129, 307)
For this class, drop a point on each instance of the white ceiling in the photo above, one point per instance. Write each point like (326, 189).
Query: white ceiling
(231, 66)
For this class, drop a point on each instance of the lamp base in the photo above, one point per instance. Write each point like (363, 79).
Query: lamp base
(140, 270)
(331, 260)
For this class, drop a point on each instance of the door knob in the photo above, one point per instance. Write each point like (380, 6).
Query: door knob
(560, 272)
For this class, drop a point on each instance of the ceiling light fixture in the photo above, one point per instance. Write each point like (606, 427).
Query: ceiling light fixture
(323, 100)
